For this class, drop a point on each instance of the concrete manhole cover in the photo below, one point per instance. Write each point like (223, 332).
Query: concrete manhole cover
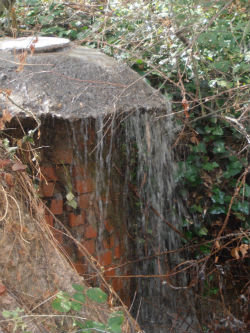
(39, 43)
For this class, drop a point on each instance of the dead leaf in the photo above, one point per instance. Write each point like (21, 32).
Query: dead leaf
(243, 249)
(4, 163)
(1, 124)
(19, 143)
(217, 244)
(235, 253)
(2, 289)
(194, 139)
(32, 49)
(22, 59)
(9, 179)
(5, 92)
(19, 167)
(6, 117)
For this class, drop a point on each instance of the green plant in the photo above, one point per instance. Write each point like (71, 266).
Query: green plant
(210, 174)
(10, 149)
(65, 302)
(54, 18)
(16, 318)
(70, 197)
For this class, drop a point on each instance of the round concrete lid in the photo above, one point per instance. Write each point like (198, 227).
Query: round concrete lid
(39, 43)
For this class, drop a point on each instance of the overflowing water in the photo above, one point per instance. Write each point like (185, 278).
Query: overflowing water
(140, 146)
(132, 158)
(157, 305)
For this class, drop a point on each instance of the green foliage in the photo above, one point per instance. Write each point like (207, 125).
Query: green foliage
(115, 322)
(210, 174)
(62, 302)
(97, 295)
(65, 302)
(10, 149)
(54, 18)
(16, 318)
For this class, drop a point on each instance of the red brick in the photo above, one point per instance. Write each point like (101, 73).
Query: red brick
(108, 225)
(75, 220)
(117, 252)
(68, 250)
(105, 259)
(91, 136)
(80, 267)
(90, 247)
(117, 284)
(110, 272)
(84, 186)
(56, 206)
(109, 242)
(78, 171)
(64, 156)
(104, 199)
(57, 235)
(47, 190)
(49, 219)
(84, 201)
(90, 232)
(49, 173)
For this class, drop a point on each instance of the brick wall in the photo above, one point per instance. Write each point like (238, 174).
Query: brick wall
(71, 164)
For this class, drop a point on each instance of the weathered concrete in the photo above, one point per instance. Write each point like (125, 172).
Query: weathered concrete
(75, 82)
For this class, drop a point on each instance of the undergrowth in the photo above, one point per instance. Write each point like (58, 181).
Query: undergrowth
(197, 54)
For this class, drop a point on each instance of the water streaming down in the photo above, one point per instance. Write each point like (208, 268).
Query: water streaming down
(157, 306)
(142, 143)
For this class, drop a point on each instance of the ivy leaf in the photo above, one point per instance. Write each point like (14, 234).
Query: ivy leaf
(219, 147)
(242, 207)
(189, 235)
(206, 249)
(97, 295)
(76, 306)
(196, 208)
(202, 232)
(200, 148)
(78, 287)
(79, 297)
(217, 130)
(79, 324)
(192, 174)
(63, 296)
(209, 166)
(240, 216)
(245, 191)
(233, 169)
(61, 305)
(115, 322)
(218, 196)
(208, 129)
(93, 325)
(215, 210)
